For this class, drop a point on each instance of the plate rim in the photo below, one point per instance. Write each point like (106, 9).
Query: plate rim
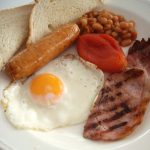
(6, 146)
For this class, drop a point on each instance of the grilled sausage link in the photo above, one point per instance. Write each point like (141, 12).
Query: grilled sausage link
(37, 55)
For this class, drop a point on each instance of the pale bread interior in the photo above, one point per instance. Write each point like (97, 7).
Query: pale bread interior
(50, 14)
(14, 29)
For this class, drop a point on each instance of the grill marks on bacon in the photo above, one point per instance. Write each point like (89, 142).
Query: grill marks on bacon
(121, 104)
(117, 106)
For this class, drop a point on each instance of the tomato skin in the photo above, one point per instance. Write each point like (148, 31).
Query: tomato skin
(103, 52)
(114, 43)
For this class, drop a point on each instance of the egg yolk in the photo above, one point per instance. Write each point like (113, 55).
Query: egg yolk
(45, 84)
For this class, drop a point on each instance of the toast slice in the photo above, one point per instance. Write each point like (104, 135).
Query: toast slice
(50, 14)
(14, 29)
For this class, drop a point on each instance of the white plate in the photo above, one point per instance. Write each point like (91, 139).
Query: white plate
(70, 138)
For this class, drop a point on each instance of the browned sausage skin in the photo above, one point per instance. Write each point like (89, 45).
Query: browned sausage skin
(37, 55)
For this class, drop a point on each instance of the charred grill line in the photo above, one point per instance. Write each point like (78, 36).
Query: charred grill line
(118, 126)
(118, 84)
(114, 107)
(120, 114)
(126, 108)
(106, 98)
(106, 90)
(103, 96)
(119, 94)
(92, 126)
(116, 116)
(111, 98)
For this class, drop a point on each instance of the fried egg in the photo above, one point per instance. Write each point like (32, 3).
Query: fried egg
(59, 94)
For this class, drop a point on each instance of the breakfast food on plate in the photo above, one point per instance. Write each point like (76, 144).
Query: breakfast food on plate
(121, 104)
(38, 54)
(14, 24)
(107, 22)
(139, 55)
(49, 14)
(117, 109)
(61, 87)
(59, 94)
(103, 51)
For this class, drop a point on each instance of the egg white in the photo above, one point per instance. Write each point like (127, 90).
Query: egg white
(81, 85)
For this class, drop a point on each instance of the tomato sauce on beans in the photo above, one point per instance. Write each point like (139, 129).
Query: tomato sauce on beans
(109, 23)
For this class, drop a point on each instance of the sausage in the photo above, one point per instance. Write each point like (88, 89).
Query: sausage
(37, 55)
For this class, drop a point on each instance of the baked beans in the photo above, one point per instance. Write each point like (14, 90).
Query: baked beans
(109, 23)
